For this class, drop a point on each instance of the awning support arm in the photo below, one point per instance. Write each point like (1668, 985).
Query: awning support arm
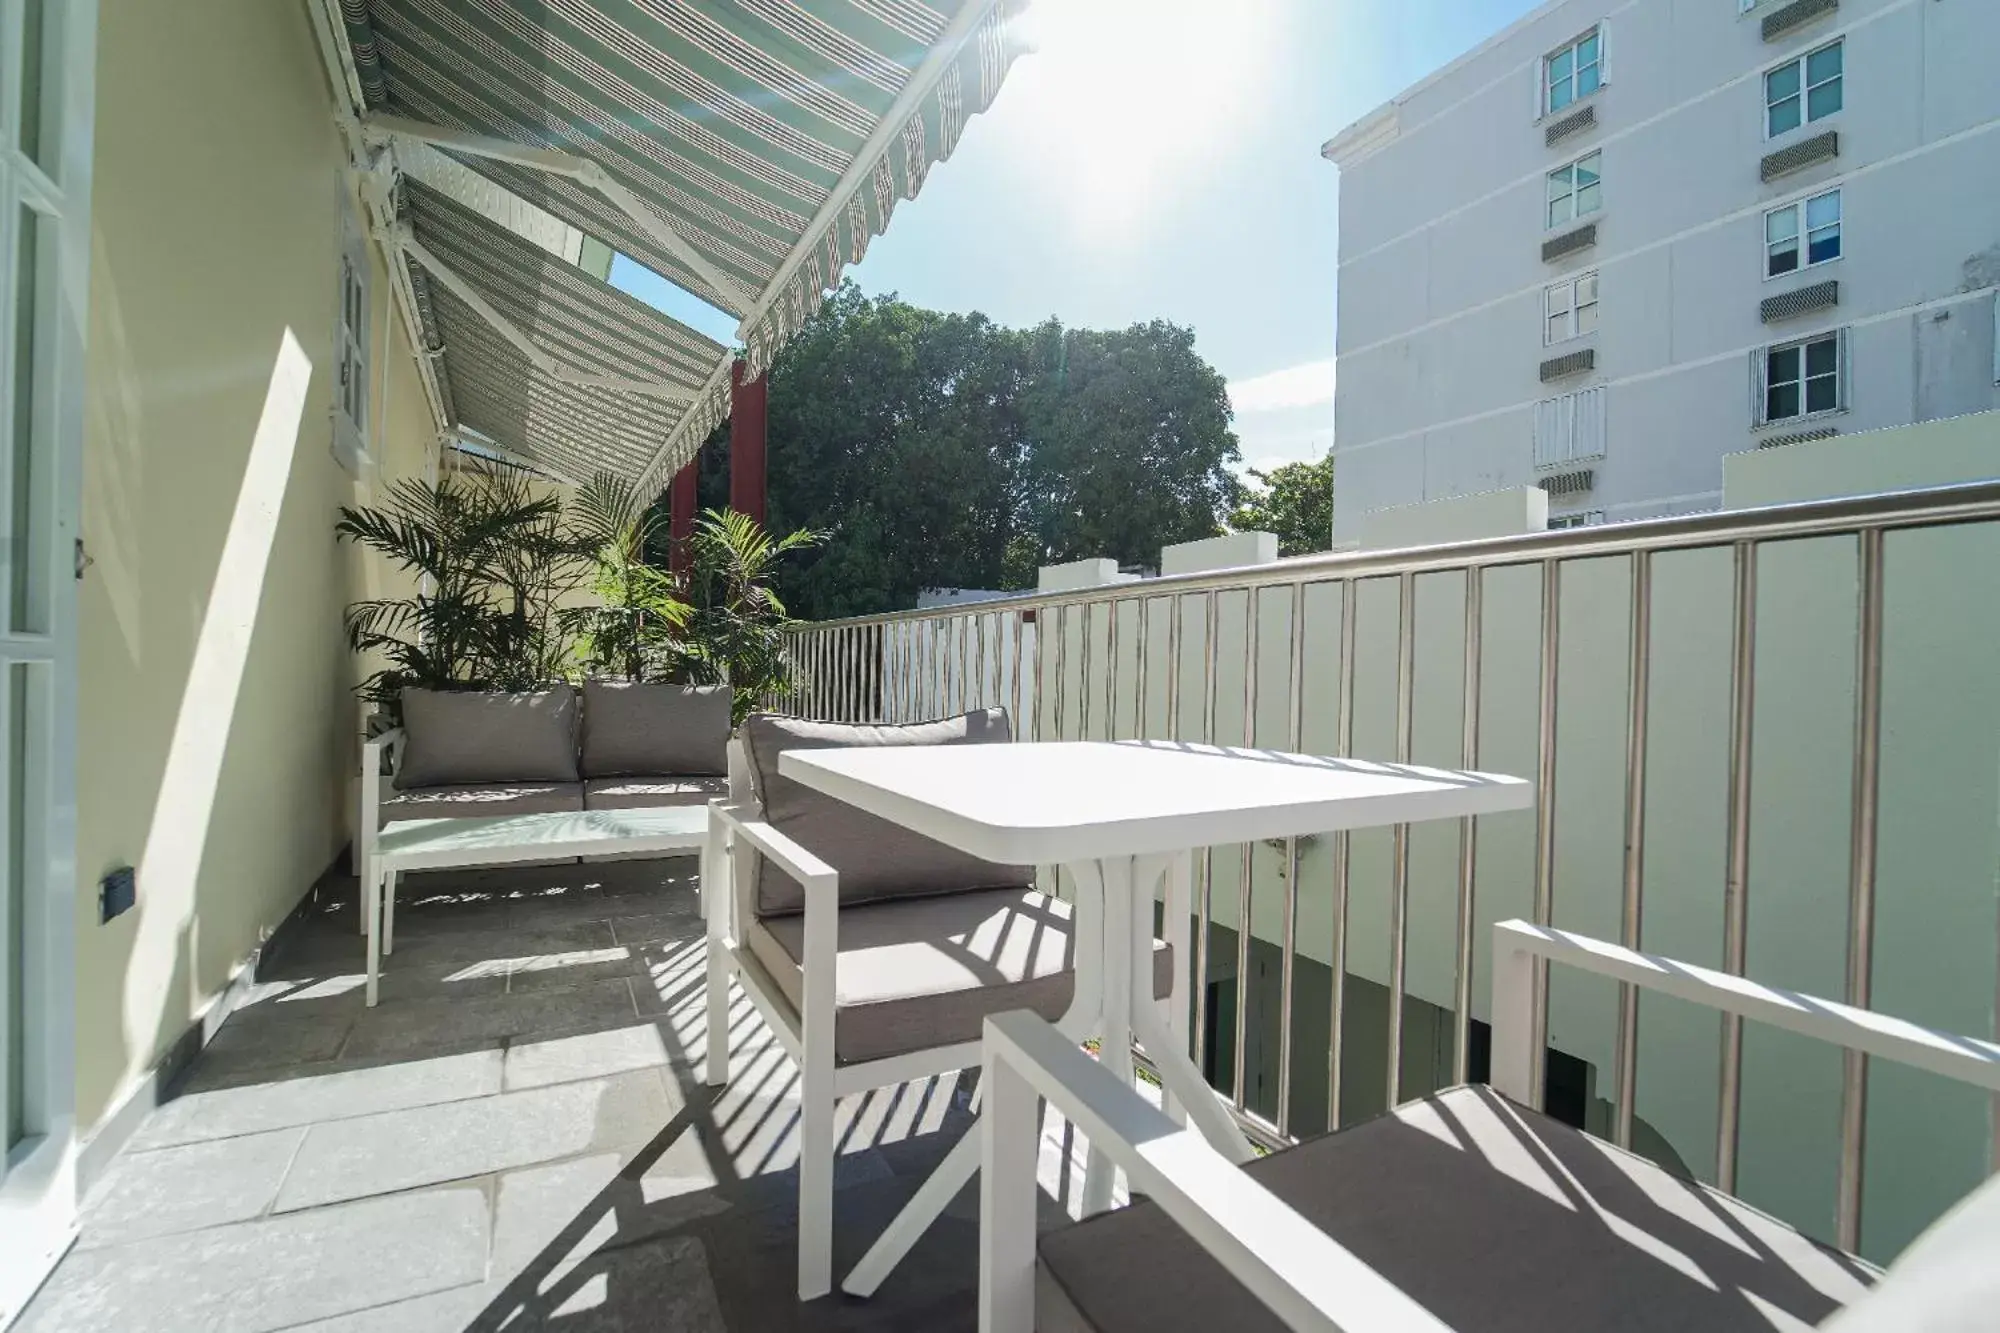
(586, 173)
(522, 343)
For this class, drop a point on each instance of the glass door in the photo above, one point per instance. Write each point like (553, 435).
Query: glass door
(46, 61)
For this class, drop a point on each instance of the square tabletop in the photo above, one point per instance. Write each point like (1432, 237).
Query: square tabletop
(1040, 802)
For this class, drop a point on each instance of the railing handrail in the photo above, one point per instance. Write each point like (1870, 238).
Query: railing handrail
(1915, 507)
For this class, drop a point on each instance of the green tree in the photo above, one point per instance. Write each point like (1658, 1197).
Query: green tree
(1129, 445)
(942, 450)
(1295, 501)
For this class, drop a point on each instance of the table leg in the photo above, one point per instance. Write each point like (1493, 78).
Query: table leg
(1115, 888)
(1185, 1082)
(371, 926)
(389, 912)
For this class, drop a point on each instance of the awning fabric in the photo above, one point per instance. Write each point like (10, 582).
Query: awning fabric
(739, 121)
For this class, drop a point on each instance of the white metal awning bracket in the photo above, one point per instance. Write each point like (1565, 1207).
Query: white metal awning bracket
(586, 173)
(526, 346)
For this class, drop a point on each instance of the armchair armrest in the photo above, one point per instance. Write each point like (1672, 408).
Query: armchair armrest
(1309, 1280)
(813, 874)
(370, 814)
(1517, 943)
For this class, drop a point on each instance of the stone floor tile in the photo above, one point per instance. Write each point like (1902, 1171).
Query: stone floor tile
(656, 926)
(273, 1273)
(182, 1189)
(453, 1311)
(259, 1046)
(301, 1101)
(655, 1286)
(570, 968)
(399, 1150)
(426, 1026)
(533, 1064)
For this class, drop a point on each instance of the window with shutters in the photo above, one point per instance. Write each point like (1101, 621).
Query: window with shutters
(1573, 72)
(1582, 518)
(350, 389)
(1569, 309)
(1796, 380)
(1576, 190)
(1805, 90)
(1801, 234)
(1570, 428)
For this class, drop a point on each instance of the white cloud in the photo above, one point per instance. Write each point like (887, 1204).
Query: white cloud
(1309, 385)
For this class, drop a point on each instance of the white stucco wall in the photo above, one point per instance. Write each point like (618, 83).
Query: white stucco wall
(1441, 276)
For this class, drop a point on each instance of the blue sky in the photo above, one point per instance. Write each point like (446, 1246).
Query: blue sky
(1160, 158)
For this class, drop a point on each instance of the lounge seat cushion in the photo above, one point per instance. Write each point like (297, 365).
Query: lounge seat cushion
(476, 800)
(636, 728)
(644, 793)
(914, 973)
(1497, 1219)
(876, 859)
(452, 739)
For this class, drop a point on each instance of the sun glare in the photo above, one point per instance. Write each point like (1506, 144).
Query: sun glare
(1125, 103)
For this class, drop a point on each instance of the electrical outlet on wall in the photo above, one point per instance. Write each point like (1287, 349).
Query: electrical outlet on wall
(117, 892)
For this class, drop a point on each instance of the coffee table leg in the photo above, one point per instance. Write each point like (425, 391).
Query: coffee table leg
(372, 926)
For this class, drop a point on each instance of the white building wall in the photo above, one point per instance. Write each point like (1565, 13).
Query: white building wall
(1442, 279)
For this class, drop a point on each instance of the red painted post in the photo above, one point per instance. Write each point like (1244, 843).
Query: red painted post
(680, 529)
(748, 414)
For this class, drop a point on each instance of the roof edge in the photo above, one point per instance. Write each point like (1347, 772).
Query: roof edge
(1366, 136)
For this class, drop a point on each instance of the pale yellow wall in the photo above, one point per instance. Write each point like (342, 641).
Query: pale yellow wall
(216, 720)
(1932, 453)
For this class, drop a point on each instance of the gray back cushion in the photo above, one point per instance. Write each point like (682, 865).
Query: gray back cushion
(639, 730)
(876, 859)
(455, 738)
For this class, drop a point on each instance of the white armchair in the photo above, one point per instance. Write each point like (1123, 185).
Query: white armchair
(1466, 1209)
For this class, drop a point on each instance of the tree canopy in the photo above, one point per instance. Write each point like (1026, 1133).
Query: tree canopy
(941, 450)
(1295, 501)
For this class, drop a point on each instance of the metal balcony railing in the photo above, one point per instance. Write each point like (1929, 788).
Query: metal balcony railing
(1701, 703)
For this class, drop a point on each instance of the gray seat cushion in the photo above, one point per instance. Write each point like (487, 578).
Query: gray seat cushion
(643, 793)
(1496, 1218)
(914, 973)
(632, 728)
(476, 800)
(451, 739)
(876, 859)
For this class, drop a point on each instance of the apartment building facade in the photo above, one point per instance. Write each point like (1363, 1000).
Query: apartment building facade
(1624, 238)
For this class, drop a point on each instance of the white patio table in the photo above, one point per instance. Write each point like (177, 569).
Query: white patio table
(1118, 816)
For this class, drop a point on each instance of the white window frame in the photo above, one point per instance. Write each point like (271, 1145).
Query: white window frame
(1572, 287)
(1581, 518)
(1548, 204)
(38, 1197)
(1561, 428)
(1798, 208)
(1760, 382)
(1806, 119)
(352, 316)
(1544, 90)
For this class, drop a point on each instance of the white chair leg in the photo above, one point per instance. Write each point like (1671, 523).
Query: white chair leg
(370, 895)
(366, 872)
(389, 912)
(716, 1069)
(816, 1104)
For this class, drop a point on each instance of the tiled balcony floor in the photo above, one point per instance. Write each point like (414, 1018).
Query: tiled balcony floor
(517, 1136)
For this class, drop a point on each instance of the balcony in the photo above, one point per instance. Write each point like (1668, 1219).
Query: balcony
(1765, 744)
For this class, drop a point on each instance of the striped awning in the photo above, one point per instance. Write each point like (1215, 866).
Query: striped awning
(746, 150)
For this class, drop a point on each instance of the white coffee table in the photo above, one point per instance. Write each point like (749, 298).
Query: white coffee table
(1116, 816)
(494, 840)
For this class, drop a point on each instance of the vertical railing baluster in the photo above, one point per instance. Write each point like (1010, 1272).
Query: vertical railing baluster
(1342, 863)
(1040, 702)
(1861, 881)
(1638, 689)
(1736, 885)
(1018, 722)
(1288, 956)
(1111, 671)
(1142, 614)
(965, 694)
(1206, 888)
(1399, 866)
(1247, 869)
(1083, 681)
(1545, 814)
(1468, 835)
(1058, 704)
